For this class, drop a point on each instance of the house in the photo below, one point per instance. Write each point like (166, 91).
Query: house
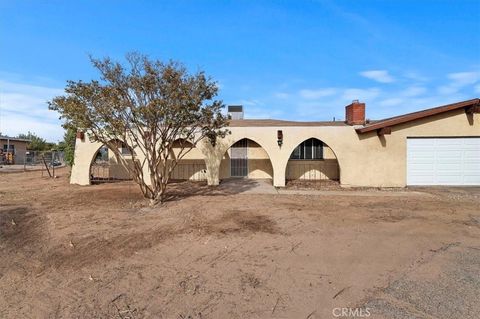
(436, 146)
(12, 150)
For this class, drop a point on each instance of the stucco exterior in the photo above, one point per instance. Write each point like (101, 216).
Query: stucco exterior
(354, 159)
(20, 148)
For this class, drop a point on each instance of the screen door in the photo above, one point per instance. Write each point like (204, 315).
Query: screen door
(239, 159)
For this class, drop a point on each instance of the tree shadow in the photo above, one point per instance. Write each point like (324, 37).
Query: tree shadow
(178, 190)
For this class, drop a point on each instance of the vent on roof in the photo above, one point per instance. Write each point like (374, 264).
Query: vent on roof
(235, 112)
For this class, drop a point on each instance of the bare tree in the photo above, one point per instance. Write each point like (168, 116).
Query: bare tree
(146, 105)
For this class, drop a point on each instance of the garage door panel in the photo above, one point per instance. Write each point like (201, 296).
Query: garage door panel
(422, 167)
(472, 154)
(443, 161)
(448, 142)
(421, 142)
(472, 141)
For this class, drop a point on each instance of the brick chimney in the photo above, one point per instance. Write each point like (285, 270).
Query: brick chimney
(355, 113)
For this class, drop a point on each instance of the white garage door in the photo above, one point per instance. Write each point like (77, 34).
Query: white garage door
(443, 161)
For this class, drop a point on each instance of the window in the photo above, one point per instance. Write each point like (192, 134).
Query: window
(311, 149)
(7, 149)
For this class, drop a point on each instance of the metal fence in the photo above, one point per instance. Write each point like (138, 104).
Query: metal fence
(46, 161)
(40, 158)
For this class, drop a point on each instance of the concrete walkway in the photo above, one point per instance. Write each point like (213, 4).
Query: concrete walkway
(247, 186)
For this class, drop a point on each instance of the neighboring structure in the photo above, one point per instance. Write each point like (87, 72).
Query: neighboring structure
(437, 146)
(12, 150)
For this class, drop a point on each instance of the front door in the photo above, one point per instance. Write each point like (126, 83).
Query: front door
(239, 159)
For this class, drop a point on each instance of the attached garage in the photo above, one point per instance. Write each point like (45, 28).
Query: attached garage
(443, 161)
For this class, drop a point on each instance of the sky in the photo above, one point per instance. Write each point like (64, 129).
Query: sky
(295, 60)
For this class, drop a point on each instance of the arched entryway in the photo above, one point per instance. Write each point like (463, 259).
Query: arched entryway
(246, 159)
(312, 161)
(106, 168)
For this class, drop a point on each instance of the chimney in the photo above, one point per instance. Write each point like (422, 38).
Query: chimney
(355, 113)
(235, 112)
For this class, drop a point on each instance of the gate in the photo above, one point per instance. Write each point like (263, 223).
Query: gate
(239, 159)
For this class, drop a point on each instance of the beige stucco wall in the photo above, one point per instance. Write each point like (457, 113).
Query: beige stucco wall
(117, 170)
(191, 166)
(313, 170)
(363, 160)
(327, 168)
(190, 169)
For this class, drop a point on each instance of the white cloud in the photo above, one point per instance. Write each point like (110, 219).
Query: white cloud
(477, 88)
(414, 91)
(360, 94)
(24, 108)
(381, 76)
(464, 78)
(394, 101)
(412, 75)
(316, 94)
(447, 89)
(458, 81)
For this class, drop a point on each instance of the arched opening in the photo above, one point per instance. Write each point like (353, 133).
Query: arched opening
(105, 168)
(312, 161)
(246, 159)
(192, 166)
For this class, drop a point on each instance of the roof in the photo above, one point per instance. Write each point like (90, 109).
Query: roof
(416, 115)
(16, 139)
(269, 122)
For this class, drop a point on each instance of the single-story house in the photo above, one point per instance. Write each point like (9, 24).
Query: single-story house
(13, 149)
(436, 146)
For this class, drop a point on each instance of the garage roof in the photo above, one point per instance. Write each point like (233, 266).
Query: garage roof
(416, 115)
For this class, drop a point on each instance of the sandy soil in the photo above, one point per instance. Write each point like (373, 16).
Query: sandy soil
(98, 252)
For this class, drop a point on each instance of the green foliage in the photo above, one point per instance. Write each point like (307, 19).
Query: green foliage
(67, 146)
(36, 143)
(146, 105)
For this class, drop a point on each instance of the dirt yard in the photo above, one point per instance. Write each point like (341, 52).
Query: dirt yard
(98, 252)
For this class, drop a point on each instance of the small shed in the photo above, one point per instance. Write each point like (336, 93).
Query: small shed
(12, 149)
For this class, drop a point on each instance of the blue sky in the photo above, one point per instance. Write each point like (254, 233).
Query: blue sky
(299, 60)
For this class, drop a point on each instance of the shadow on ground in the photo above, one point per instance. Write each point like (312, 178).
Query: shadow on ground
(178, 190)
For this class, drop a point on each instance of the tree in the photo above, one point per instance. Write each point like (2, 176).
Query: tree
(67, 146)
(36, 143)
(146, 105)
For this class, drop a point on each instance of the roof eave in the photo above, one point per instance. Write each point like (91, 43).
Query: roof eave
(416, 115)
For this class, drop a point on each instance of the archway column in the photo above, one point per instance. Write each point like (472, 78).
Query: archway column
(279, 164)
(85, 150)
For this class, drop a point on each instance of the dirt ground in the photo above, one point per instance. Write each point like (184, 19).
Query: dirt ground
(98, 252)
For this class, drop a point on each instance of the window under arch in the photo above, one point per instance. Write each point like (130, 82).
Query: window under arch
(311, 149)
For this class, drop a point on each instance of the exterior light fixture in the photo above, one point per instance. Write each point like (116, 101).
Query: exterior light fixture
(280, 138)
